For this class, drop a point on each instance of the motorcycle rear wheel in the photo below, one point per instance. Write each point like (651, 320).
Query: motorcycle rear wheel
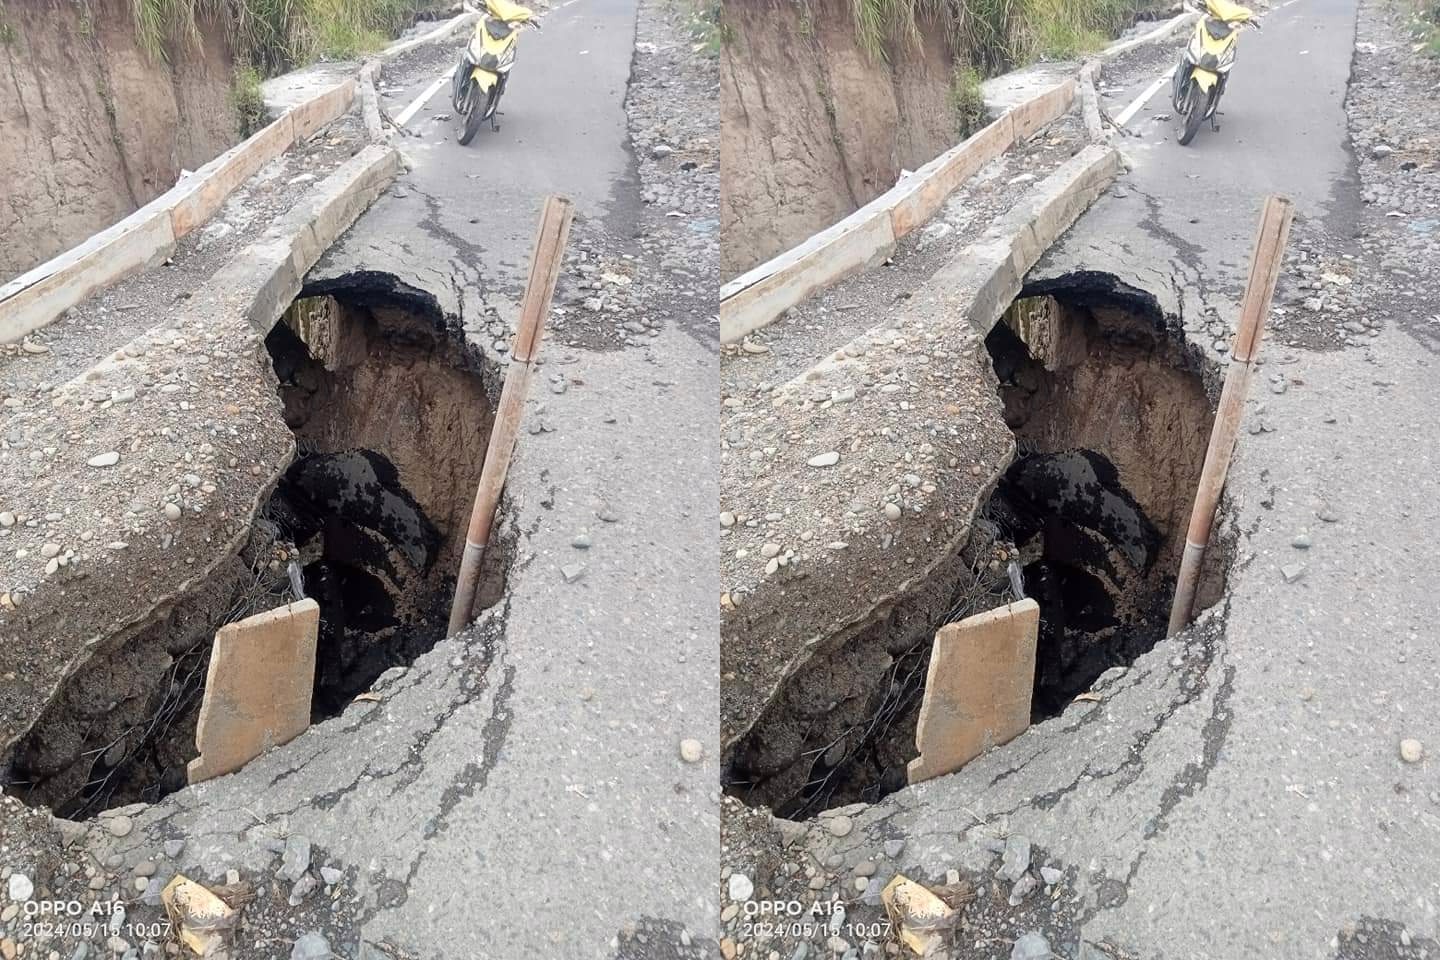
(1194, 114)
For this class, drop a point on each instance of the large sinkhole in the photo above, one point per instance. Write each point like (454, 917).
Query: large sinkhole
(391, 413)
(1111, 420)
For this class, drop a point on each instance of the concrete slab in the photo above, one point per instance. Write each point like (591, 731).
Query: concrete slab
(977, 692)
(1011, 90)
(257, 692)
(297, 87)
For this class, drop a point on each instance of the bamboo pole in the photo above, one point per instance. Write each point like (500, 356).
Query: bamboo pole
(544, 271)
(1265, 266)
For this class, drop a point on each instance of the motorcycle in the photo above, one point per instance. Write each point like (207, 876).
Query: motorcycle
(484, 67)
(1204, 68)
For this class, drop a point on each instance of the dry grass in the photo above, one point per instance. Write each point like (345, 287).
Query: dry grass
(276, 35)
(996, 35)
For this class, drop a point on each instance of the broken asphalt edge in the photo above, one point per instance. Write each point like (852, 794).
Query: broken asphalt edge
(255, 286)
(978, 284)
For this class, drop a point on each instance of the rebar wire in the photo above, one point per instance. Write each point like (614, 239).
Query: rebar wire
(904, 684)
(184, 684)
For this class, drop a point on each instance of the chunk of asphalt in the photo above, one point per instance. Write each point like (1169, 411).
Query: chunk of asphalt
(296, 859)
(1016, 859)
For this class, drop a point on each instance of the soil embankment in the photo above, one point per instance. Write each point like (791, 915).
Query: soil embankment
(815, 127)
(92, 126)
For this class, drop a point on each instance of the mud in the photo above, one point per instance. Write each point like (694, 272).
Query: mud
(391, 417)
(1111, 419)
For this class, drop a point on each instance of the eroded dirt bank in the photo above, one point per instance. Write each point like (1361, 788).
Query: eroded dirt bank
(91, 126)
(814, 126)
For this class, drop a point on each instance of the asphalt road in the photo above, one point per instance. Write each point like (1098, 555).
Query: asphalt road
(520, 793)
(1282, 130)
(1241, 795)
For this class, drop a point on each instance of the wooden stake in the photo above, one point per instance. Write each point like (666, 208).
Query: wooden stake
(544, 271)
(1265, 266)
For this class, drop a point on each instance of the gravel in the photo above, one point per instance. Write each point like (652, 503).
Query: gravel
(618, 291)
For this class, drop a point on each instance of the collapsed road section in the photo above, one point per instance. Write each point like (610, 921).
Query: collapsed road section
(389, 415)
(139, 504)
(1086, 505)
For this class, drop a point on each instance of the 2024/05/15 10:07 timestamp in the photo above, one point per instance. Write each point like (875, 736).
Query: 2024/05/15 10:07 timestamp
(72, 918)
(792, 918)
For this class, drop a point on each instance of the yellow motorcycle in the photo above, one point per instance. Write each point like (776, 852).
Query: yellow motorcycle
(1204, 68)
(484, 67)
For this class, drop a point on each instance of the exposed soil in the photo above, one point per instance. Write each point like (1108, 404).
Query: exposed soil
(94, 126)
(391, 416)
(1111, 427)
(815, 127)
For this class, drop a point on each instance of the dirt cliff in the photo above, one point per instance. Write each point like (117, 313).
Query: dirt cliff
(815, 127)
(91, 126)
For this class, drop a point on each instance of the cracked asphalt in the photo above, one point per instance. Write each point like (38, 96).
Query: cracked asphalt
(1239, 791)
(519, 791)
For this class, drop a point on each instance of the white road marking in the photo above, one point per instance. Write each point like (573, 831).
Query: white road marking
(1129, 112)
(430, 91)
(1140, 101)
(419, 101)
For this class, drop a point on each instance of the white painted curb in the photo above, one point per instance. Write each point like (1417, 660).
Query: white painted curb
(37, 297)
(757, 298)
(439, 33)
(1159, 33)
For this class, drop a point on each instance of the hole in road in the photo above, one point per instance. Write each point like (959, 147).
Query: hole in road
(391, 416)
(1111, 422)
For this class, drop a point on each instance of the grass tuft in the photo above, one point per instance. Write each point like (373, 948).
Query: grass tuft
(706, 25)
(1426, 26)
(249, 102)
(966, 98)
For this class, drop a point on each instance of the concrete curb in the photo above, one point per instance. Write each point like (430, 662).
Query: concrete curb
(1159, 33)
(948, 317)
(37, 297)
(439, 33)
(293, 244)
(756, 298)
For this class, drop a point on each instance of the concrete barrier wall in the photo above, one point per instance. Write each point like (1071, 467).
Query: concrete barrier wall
(756, 298)
(39, 296)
